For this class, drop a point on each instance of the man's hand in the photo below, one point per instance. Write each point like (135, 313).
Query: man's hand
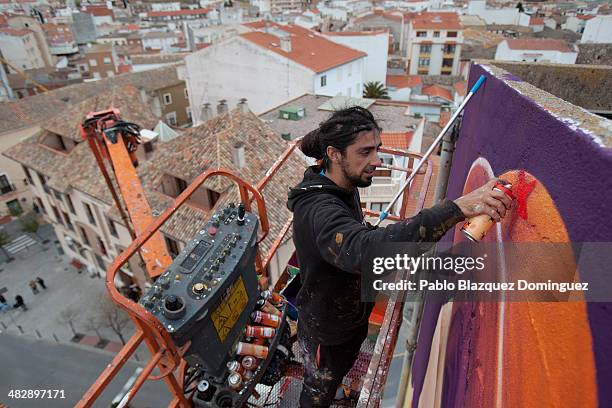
(485, 200)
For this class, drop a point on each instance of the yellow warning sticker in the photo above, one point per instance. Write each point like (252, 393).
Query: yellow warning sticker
(230, 308)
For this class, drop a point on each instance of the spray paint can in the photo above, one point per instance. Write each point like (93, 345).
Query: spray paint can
(272, 296)
(235, 367)
(477, 227)
(249, 363)
(204, 390)
(265, 306)
(260, 332)
(255, 350)
(266, 319)
(234, 380)
(248, 375)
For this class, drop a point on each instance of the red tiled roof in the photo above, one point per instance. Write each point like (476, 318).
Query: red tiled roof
(356, 33)
(99, 11)
(16, 32)
(440, 92)
(536, 21)
(404, 81)
(201, 46)
(584, 17)
(307, 48)
(314, 11)
(436, 21)
(541, 44)
(460, 87)
(382, 14)
(184, 12)
(396, 140)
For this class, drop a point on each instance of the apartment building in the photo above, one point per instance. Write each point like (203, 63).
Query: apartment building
(276, 63)
(434, 43)
(30, 23)
(102, 61)
(19, 47)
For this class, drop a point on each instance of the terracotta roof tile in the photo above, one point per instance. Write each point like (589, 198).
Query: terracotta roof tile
(396, 140)
(404, 81)
(183, 12)
(436, 21)
(307, 48)
(539, 44)
(437, 90)
(536, 21)
(460, 87)
(356, 33)
(16, 32)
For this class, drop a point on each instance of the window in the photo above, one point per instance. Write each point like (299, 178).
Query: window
(350, 69)
(112, 229)
(84, 236)
(107, 60)
(148, 147)
(93, 63)
(447, 63)
(14, 207)
(57, 215)
(423, 62)
(188, 111)
(339, 78)
(425, 49)
(89, 213)
(70, 204)
(68, 221)
(39, 205)
(171, 118)
(167, 99)
(5, 185)
(323, 80)
(421, 33)
(101, 245)
(378, 206)
(186, 94)
(436, 33)
(57, 194)
(100, 262)
(43, 182)
(173, 247)
(28, 175)
(449, 48)
(451, 34)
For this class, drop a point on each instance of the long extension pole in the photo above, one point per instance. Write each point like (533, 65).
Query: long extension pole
(429, 151)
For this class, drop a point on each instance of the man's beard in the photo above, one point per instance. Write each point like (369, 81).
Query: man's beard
(355, 180)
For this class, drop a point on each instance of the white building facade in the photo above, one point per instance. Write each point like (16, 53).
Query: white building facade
(19, 47)
(598, 30)
(535, 50)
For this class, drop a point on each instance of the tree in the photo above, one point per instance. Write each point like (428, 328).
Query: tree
(30, 224)
(375, 90)
(70, 316)
(112, 317)
(520, 7)
(4, 239)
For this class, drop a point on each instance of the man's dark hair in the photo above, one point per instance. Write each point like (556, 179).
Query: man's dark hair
(339, 131)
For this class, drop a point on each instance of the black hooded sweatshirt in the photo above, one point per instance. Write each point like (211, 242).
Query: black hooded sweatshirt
(330, 238)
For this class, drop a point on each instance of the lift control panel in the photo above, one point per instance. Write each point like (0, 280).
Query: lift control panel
(207, 294)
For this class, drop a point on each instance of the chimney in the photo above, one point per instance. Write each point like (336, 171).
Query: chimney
(222, 107)
(243, 106)
(143, 94)
(206, 113)
(285, 44)
(238, 155)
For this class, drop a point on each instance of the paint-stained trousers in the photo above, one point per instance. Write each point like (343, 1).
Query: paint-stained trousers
(325, 367)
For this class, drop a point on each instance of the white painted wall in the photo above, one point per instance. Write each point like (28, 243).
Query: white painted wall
(346, 80)
(509, 16)
(21, 51)
(598, 30)
(504, 53)
(377, 48)
(235, 68)
(399, 94)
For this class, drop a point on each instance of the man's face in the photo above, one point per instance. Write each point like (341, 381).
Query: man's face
(360, 159)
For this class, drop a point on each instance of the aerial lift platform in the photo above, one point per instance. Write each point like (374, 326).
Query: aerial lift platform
(194, 317)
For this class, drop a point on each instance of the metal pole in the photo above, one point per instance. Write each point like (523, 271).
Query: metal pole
(446, 159)
(431, 149)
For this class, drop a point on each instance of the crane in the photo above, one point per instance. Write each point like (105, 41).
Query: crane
(25, 76)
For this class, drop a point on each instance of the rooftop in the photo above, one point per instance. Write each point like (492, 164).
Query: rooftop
(437, 91)
(404, 81)
(392, 116)
(307, 47)
(15, 32)
(183, 12)
(538, 44)
(39, 108)
(436, 21)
